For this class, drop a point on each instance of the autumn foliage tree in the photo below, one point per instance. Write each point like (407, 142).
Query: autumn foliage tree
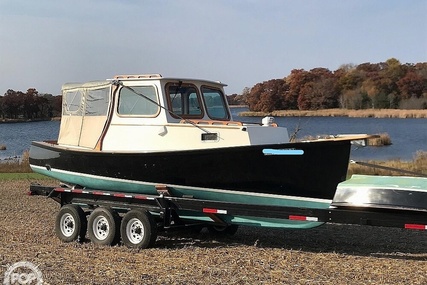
(320, 92)
(267, 96)
(296, 81)
(411, 85)
(388, 84)
(235, 99)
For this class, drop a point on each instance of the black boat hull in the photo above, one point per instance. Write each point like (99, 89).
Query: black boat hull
(307, 169)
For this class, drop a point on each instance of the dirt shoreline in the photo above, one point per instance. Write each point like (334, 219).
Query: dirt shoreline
(12, 121)
(331, 254)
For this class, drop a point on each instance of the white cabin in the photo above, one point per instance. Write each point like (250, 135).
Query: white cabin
(147, 113)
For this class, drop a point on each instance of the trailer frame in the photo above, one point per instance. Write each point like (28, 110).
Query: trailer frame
(166, 208)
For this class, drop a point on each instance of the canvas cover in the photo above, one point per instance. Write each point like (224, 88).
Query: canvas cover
(85, 109)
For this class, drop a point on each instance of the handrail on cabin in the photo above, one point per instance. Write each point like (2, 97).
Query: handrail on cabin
(138, 76)
(212, 122)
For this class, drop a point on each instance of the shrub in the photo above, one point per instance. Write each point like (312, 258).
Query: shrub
(383, 139)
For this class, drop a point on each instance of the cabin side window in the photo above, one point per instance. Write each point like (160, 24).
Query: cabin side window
(143, 102)
(72, 101)
(97, 101)
(215, 103)
(184, 101)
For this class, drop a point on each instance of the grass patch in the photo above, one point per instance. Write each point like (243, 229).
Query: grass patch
(23, 176)
(17, 165)
(418, 164)
(19, 169)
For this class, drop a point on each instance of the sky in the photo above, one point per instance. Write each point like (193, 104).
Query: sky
(46, 43)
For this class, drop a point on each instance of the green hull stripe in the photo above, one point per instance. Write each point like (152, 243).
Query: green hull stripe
(105, 183)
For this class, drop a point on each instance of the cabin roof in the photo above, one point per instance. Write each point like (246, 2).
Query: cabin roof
(143, 77)
(91, 84)
(136, 77)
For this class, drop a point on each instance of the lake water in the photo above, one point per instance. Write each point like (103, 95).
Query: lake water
(18, 136)
(407, 135)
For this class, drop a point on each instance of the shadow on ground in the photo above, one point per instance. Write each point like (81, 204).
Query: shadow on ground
(336, 238)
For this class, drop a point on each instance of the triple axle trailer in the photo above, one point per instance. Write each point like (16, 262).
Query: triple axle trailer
(108, 217)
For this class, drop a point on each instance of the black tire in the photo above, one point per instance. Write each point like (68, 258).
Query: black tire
(103, 226)
(223, 230)
(71, 223)
(138, 229)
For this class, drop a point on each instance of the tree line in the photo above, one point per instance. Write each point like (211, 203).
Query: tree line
(381, 85)
(384, 85)
(30, 105)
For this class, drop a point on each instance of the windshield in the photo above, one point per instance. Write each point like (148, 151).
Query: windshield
(215, 104)
(184, 101)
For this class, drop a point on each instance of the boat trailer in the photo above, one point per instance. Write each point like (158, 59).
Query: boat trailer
(136, 218)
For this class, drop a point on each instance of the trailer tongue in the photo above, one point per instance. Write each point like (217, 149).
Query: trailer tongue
(364, 200)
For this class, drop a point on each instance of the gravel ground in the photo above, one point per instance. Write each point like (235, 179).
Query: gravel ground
(331, 254)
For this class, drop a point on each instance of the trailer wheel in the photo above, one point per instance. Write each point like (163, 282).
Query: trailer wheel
(103, 226)
(223, 230)
(71, 223)
(138, 229)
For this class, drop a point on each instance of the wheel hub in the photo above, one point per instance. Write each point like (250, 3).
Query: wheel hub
(101, 228)
(67, 225)
(135, 231)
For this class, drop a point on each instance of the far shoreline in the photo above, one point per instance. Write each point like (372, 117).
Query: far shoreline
(13, 121)
(365, 113)
(350, 113)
